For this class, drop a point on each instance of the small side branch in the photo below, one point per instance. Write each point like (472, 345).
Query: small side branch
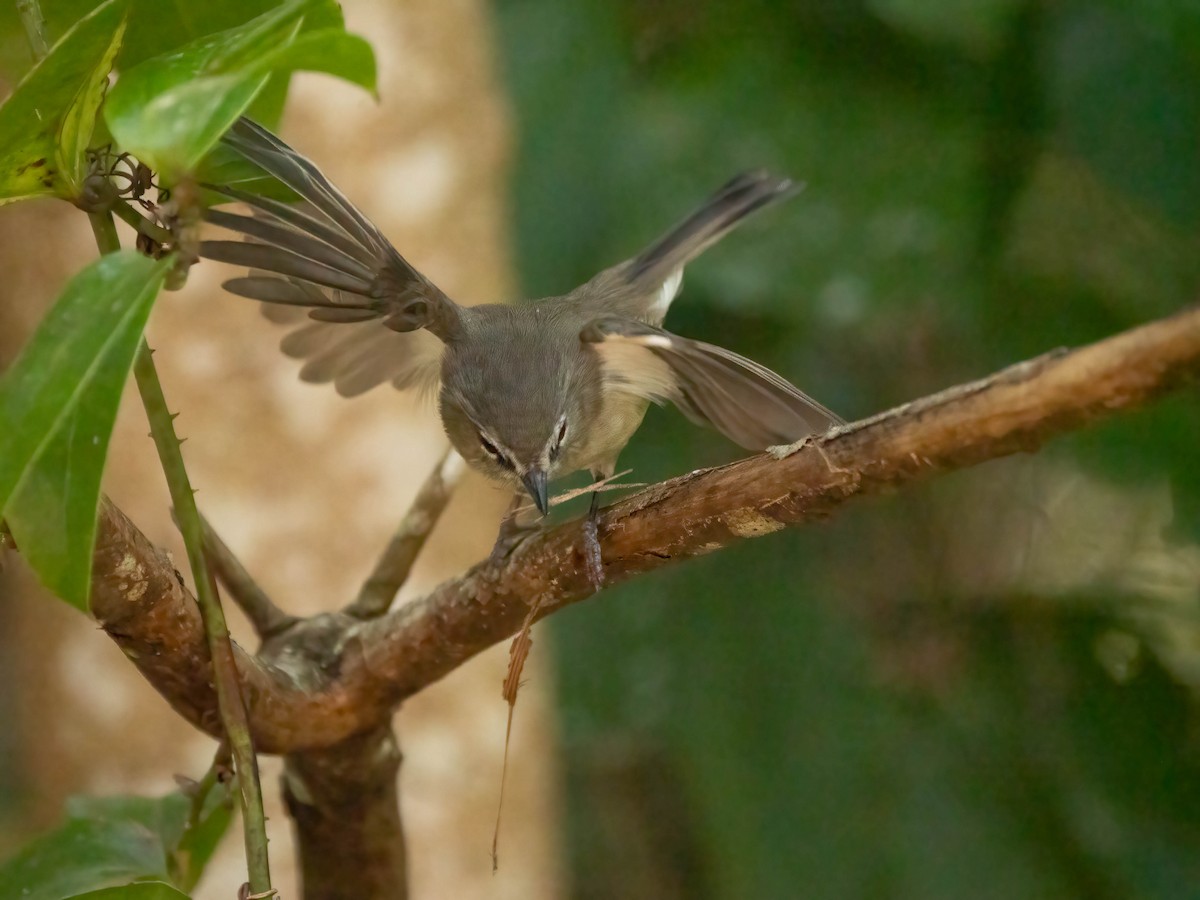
(394, 566)
(267, 618)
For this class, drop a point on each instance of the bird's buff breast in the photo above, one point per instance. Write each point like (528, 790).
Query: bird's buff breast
(619, 418)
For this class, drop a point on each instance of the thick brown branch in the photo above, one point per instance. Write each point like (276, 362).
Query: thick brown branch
(390, 658)
(140, 600)
(1016, 409)
(344, 807)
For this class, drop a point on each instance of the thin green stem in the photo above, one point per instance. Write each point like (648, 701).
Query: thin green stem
(219, 774)
(225, 675)
(30, 12)
(229, 697)
(105, 230)
(140, 223)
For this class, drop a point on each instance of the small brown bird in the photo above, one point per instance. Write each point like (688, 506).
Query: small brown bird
(527, 392)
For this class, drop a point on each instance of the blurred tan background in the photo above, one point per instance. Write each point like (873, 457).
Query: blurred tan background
(305, 486)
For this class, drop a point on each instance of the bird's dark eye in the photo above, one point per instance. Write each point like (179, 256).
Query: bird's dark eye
(494, 451)
(562, 432)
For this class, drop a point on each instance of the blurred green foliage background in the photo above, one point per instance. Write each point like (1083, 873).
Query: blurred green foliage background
(984, 687)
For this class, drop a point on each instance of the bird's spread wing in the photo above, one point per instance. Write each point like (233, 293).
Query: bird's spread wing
(643, 288)
(364, 315)
(746, 402)
(715, 218)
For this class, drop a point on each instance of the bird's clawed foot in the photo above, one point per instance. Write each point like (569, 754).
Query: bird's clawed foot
(591, 552)
(783, 451)
(592, 560)
(512, 535)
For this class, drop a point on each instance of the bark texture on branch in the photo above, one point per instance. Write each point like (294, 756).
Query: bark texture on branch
(390, 658)
(343, 803)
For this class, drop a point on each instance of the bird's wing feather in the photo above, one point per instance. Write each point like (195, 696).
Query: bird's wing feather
(643, 288)
(361, 314)
(748, 403)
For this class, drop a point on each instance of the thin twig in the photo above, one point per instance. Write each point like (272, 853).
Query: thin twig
(518, 653)
(266, 618)
(220, 773)
(595, 487)
(141, 224)
(394, 566)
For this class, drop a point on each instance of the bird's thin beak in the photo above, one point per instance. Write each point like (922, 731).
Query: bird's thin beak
(535, 483)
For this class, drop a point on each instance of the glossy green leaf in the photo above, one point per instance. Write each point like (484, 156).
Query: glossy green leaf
(108, 843)
(174, 131)
(59, 401)
(330, 50)
(187, 850)
(46, 124)
(83, 855)
(146, 890)
(171, 110)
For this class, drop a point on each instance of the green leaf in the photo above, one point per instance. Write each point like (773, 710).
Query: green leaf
(171, 110)
(187, 850)
(83, 855)
(59, 401)
(174, 130)
(46, 124)
(146, 890)
(329, 50)
(198, 844)
(108, 843)
(155, 28)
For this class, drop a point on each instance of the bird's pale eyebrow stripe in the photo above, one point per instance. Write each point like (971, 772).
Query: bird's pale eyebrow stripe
(544, 460)
(491, 439)
(506, 454)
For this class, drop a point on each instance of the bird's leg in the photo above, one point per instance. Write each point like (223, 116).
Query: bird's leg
(591, 535)
(513, 530)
